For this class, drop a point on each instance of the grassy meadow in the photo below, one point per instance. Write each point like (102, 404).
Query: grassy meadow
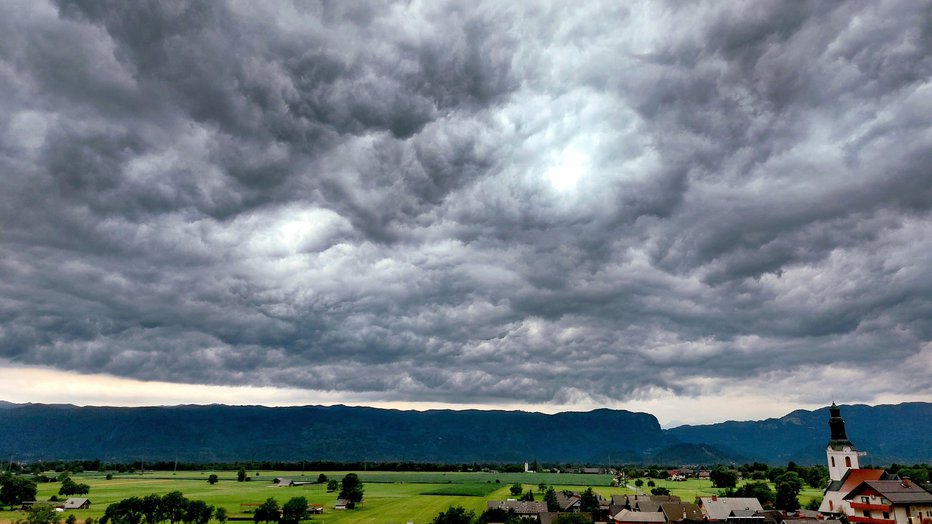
(390, 497)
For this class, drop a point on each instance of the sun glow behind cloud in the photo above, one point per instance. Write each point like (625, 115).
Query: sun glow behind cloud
(565, 174)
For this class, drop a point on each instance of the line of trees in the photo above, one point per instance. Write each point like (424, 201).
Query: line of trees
(173, 508)
(70, 487)
(292, 512)
(812, 475)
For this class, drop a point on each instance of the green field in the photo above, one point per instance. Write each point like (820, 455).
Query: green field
(689, 489)
(390, 497)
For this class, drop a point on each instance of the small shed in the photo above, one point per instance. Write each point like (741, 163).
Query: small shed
(77, 503)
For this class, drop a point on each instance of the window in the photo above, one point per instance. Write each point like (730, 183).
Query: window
(865, 500)
(867, 514)
(886, 515)
(848, 462)
(833, 462)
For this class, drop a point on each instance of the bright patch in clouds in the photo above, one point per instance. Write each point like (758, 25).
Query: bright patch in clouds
(567, 170)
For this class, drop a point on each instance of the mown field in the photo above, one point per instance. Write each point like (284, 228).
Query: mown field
(390, 497)
(688, 490)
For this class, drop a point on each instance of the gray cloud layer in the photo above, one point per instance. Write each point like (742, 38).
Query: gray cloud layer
(530, 202)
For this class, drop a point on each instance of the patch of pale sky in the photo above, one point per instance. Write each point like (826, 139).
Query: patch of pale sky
(38, 384)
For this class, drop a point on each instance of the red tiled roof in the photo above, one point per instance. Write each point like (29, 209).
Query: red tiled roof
(856, 476)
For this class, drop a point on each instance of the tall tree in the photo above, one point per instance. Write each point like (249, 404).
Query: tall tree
(550, 497)
(351, 488)
(151, 507)
(589, 501)
(294, 511)
(15, 490)
(788, 486)
(173, 506)
(198, 512)
(267, 512)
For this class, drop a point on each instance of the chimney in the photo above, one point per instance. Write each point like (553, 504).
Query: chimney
(714, 498)
(906, 482)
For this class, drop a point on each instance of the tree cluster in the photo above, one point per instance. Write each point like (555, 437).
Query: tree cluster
(292, 512)
(173, 508)
(70, 487)
(351, 489)
(788, 486)
(15, 489)
(754, 489)
(723, 478)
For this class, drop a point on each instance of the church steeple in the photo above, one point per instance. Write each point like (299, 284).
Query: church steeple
(837, 425)
(841, 453)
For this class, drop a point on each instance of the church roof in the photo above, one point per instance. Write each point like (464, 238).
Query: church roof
(853, 477)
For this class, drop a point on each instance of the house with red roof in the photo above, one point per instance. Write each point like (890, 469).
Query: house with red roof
(889, 502)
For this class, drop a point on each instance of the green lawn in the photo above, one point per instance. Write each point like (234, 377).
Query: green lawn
(390, 497)
(689, 489)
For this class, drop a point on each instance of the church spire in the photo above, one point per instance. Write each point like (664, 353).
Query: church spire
(837, 425)
(841, 453)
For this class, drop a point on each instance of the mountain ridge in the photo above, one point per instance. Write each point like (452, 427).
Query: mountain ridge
(225, 433)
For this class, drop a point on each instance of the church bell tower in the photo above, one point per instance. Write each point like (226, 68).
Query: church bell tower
(841, 453)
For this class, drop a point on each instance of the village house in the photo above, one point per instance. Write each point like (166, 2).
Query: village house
(646, 509)
(719, 509)
(889, 502)
(521, 508)
(76, 503)
(568, 502)
(681, 512)
(627, 516)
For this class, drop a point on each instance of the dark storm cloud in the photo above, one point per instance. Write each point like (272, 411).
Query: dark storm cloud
(462, 203)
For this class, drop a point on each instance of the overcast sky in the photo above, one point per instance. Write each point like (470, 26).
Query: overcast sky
(704, 210)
